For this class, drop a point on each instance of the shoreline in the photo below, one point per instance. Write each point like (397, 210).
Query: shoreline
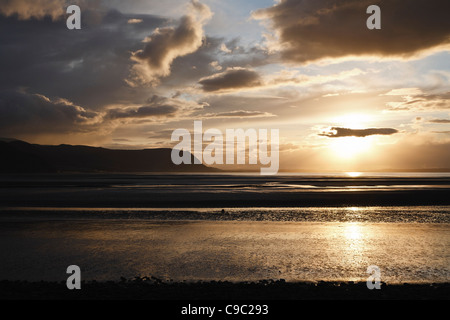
(155, 289)
(361, 214)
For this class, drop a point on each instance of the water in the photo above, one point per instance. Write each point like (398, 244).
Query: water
(225, 250)
(226, 227)
(222, 191)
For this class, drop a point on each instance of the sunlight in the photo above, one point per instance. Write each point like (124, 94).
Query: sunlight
(354, 174)
(349, 147)
(353, 121)
(353, 232)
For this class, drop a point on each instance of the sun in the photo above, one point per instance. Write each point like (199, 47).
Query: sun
(350, 147)
(347, 148)
(353, 175)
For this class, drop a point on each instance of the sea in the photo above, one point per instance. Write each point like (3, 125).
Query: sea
(240, 227)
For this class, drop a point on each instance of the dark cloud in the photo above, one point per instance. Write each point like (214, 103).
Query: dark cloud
(86, 66)
(142, 112)
(23, 112)
(337, 132)
(239, 114)
(89, 66)
(314, 29)
(191, 67)
(232, 78)
(164, 45)
(157, 106)
(120, 140)
(439, 121)
(200, 64)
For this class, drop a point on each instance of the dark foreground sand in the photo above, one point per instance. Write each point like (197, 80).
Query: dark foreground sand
(155, 289)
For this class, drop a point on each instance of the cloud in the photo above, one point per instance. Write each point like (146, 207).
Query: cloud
(241, 79)
(164, 134)
(155, 107)
(439, 121)
(240, 114)
(142, 112)
(215, 65)
(120, 140)
(39, 9)
(311, 30)
(294, 78)
(24, 112)
(224, 48)
(88, 68)
(28, 114)
(419, 101)
(232, 78)
(166, 44)
(337, 132)
(133, 21)
(200, 64)
(404, 92)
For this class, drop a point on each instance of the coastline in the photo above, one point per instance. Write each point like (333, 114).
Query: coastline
(273, 290)
(217, 237)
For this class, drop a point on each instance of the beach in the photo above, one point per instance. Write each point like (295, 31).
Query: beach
(133, 250)
(228, 251)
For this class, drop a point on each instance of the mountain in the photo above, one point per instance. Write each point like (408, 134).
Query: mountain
(22, 157)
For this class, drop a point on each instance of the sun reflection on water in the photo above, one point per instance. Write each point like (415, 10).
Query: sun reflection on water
(353, 231)
(354, 174)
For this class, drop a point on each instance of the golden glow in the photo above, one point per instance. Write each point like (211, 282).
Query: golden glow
(349, 147)
(353, 121)
(353, 174)
(353, 232)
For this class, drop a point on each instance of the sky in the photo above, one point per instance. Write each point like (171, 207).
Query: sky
(342, 96)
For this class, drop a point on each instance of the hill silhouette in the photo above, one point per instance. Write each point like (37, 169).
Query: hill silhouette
(22, 157)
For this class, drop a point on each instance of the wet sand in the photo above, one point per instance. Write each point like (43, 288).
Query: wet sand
(234, 251)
